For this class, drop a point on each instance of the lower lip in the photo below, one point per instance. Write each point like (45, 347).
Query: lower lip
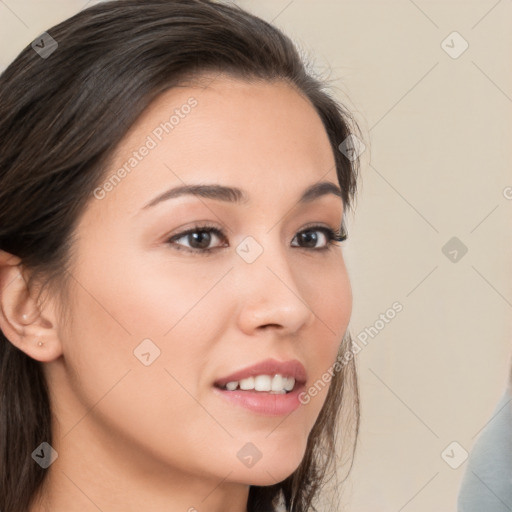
(263, 402)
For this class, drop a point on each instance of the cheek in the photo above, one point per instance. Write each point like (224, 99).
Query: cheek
(150, 297)
(137, 306)
(133, 314)
(331, 302)
(127, 400)
(330, 299)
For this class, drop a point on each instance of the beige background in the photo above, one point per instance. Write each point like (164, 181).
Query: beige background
(436, 165)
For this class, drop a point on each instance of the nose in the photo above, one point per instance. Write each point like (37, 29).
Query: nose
(272, 294)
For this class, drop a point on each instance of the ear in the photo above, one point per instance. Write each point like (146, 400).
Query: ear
(28, 327)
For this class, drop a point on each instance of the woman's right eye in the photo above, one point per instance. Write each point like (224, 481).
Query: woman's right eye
(198, 244)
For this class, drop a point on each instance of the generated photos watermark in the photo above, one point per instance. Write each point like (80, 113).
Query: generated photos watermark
(151, 142)
(363, 337)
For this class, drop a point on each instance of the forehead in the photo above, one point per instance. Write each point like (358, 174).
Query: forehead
(247, 134)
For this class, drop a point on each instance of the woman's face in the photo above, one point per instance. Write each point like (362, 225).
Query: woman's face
(157, 322)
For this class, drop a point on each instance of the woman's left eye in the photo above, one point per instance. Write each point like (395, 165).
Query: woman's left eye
(200, 238)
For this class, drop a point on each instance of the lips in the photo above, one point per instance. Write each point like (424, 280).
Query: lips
(292, 368)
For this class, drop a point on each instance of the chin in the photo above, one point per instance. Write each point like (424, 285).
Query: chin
(263, 479)
(269, 472)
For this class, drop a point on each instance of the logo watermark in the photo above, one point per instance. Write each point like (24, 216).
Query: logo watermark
(343, 359)
(149, 144)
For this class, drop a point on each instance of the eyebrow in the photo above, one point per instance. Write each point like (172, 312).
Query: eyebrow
(237, 195)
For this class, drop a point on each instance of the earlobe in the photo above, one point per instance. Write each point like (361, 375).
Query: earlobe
(21, 321)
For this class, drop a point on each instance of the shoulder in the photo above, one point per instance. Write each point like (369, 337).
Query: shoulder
(487, 480)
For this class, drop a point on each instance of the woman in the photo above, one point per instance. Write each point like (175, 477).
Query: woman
(172, 290)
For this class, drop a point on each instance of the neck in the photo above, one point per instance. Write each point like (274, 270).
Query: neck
(91, 474)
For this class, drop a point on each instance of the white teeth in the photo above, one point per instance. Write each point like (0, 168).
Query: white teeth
(263, 383)
(289, 384)
(276, 384)
(231, 386)
(248, 383)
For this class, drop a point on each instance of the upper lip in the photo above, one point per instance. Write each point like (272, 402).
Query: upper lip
(292, 368)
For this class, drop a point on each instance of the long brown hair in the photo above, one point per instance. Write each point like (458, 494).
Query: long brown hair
(62, 114)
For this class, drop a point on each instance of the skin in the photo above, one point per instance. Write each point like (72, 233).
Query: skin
(132, 437)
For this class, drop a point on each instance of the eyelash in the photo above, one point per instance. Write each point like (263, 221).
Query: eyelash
(332, 238)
